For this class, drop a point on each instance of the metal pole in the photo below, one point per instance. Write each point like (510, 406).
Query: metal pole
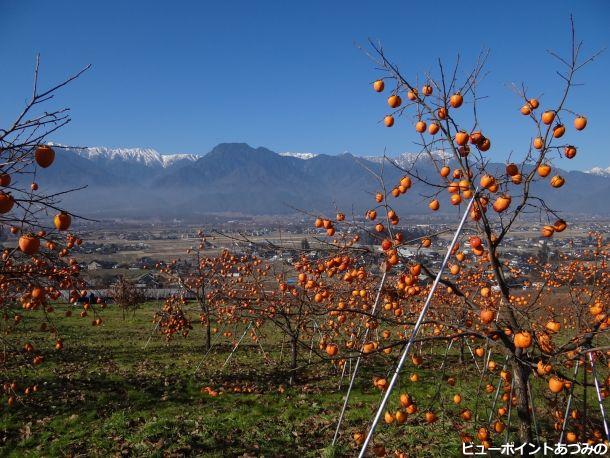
(529, 390)
(236, 345)
(418, 323)
(282, 348)
(510, 409)
(473, 357)
(476, 404)
(565, 416)
(151, 334)
(493, 405)
(313, 336)
(210, 349)
(342, 374)
(260, 345)
(351, 382)
(599, 397)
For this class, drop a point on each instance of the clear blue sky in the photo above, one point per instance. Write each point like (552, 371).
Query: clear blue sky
(184, 76)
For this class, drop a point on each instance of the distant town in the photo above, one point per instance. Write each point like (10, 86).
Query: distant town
(121, 249)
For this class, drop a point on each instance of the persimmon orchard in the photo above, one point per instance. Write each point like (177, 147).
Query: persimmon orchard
(532, 342)
(37, 268)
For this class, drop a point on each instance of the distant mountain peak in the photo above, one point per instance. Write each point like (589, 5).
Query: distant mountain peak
(238, 149)
(144, 156)
(407, 159)
(304, 156)
(599, 171)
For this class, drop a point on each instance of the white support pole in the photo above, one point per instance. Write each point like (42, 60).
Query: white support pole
(568, 405)
(446, 353)
(342, 374)
(418, 323)
(210, 349)
(236, 345)
(599, 397)
(282, 348)
(510, 409)
(150, 336)
(537, 431)
(351, 382)
(473, 357)
(260, 345)
(493, 404)
(313, 336)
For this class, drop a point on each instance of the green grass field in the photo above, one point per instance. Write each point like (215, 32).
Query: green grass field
(105, 394)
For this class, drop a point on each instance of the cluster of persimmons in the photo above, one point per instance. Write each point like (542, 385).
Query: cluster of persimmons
(38, 270)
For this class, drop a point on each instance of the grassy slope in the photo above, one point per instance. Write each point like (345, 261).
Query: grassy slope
(105, 394)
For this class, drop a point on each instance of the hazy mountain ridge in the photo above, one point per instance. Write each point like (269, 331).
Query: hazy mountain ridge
(237, 178)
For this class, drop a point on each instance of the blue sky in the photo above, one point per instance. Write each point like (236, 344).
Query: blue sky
(184, 76)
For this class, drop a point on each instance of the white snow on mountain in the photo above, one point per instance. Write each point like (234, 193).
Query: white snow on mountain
(169, 159)
(408, 159)
(145, 156)
(303, 156)
(152, 158)
(599, 171)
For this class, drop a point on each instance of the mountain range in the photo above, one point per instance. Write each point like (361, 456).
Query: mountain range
(235, 178)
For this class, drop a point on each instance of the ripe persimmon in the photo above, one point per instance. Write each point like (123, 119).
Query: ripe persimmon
(523, 339)
(6, 202)
(62, 221)
(44, 156)
(29, 244)
(548, 117)
(559, 130)
(580, 123)
(394, 101)
(456, 100)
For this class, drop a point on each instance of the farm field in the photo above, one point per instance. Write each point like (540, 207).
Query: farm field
(120, 389)
(109, 394)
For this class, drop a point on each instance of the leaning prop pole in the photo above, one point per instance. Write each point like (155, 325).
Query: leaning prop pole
(210, 349)
(351, 383)
(418, 323)
(600, 398)
(235, 347)
(568, 405)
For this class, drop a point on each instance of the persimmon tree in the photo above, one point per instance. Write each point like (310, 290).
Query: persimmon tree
(36, 268)
(512, 318)
(126, 295)
(204, 278)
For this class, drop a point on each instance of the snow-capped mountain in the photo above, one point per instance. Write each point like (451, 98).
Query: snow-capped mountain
(144, 156)
(402, 160)
(408, 159)
(304, 156)
(599, 171)
(237, 178)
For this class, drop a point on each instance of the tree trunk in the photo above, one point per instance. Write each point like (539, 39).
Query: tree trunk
(293, 358)
(208, 335)
(521, 374)
(461, 351)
